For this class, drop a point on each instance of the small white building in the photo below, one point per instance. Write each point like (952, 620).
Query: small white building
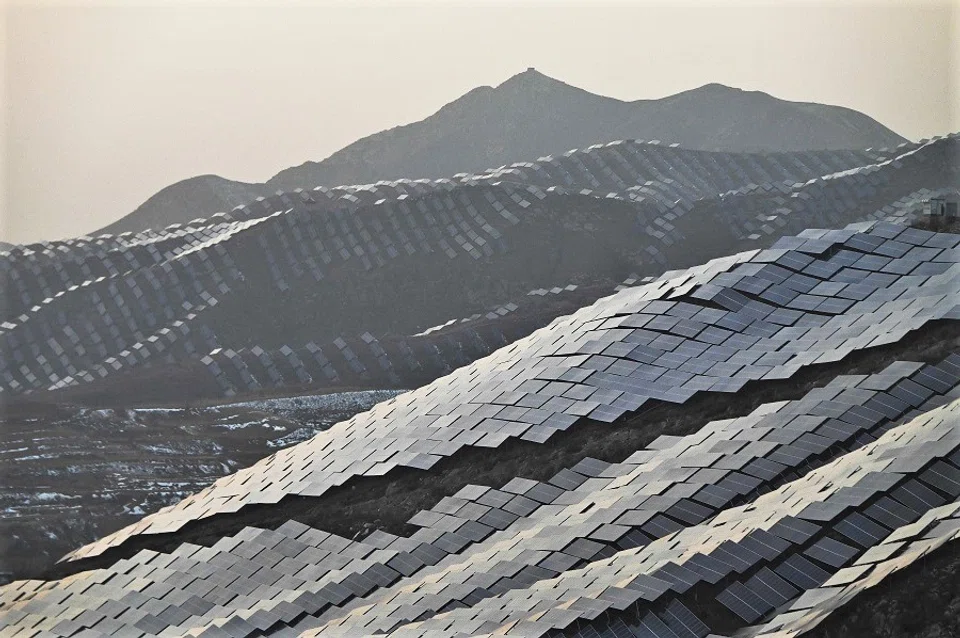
(947, 206)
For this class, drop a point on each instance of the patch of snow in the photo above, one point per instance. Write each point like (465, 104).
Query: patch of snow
(240, 426)
(338, 401)
(158, 410)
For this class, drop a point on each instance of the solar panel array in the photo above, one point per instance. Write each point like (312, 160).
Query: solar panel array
(756, 316)
(78, 311)
(741, 510)
(906, 547)
(781, 544)
(759, 525)
(393, 360)
(837, 198)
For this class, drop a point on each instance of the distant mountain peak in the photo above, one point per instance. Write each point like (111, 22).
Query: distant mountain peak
(530, 75)
(531, 79)
(715, 90)
(716, 86)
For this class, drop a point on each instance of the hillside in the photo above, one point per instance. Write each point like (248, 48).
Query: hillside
(200, 196)
(350, 282)
(135, 343)
(710, 453)
(527, 116)
(531, 114)
(631, 389)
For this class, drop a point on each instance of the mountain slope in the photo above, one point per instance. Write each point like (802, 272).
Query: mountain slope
(532, 114)
(529, 115)
(395, 285)
(717, 117)
(675, 455)
(200, 196)
(366, 276)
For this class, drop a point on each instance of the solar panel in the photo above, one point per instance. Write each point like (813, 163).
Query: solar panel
(743, 602)
(683, 622)
(831, 552)
(801, 572)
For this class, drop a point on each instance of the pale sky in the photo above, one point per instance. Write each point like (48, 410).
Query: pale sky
(106, 103)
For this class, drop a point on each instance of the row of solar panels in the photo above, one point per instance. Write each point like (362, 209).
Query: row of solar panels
(289, 250)
(753, 317)
(363, 361)
(668, 173)
(833, 199)
(80, 330)
(645, 159)
(404, 362)
(752, 511)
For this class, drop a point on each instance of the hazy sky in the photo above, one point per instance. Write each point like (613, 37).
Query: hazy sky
(107, 103)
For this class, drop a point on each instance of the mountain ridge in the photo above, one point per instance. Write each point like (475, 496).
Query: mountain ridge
(543, 116)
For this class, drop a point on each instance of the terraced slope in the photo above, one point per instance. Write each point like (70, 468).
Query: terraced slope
(754, 316)
(335, 287)
(355, 288)
(763, 521)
